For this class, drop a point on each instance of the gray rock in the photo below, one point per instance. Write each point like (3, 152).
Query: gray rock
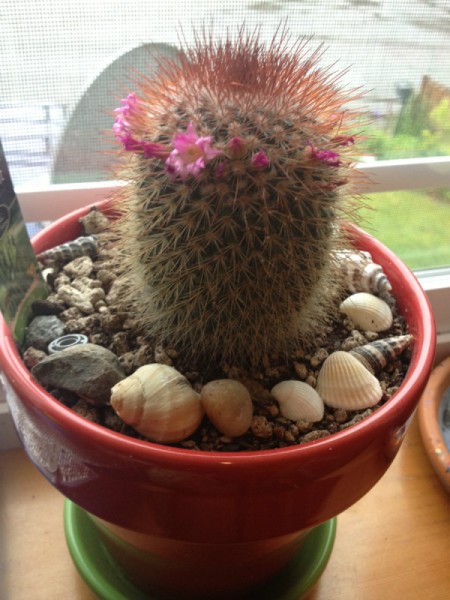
(88, 370)
(44, 329)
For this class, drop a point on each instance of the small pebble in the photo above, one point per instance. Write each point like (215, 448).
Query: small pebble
(42, 330)
(340, 415)
(79, 267)
(301, 370)
(72, 297)
(316, 434)
(32, 356)
(319, 357)
(88, 370)
(94, 222)
(261, 427)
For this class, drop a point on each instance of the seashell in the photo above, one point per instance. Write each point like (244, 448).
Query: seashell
(228, 405)
(298, 401)
(81, 246)
(343, 382)
(361, 274)
(159, 402)
(376, 355)
(368, 312)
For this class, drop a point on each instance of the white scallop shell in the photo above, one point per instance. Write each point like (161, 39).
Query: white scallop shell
(298, 401)
(159, 402)
(228, 405)
(368, 312)
(343, 382)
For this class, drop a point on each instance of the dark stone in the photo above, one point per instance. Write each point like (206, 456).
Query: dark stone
(44, 329)
(88, 370)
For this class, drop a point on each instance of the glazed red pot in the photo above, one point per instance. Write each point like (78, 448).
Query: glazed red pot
(216, 522)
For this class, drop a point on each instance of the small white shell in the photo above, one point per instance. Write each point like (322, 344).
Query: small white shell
(368, 312)
(228, 405)
(376, 355)
(298, 401)
(361, 274)
(343, 382)
(159, 402)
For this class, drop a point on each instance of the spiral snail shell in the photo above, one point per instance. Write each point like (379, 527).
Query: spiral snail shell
(81, 246)
(361, 274)
(158, 402)
(376, 355)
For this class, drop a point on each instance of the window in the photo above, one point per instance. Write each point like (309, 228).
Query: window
(66, 65)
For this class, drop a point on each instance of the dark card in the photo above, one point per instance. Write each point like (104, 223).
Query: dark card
(20, 280)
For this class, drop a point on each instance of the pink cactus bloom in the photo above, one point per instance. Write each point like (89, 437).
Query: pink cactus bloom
(153, 150)
(190, 154)
(121, 125)
(128, 141)
(328, 157)
(260, 160)
(123, 131)
(220, 170)
(343, 140)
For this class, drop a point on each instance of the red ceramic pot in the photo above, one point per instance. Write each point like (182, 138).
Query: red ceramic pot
(214, 523)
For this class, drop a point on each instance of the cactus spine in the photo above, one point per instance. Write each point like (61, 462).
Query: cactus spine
(237, 155)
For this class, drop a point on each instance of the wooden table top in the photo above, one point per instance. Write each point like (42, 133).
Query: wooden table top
(393, 544)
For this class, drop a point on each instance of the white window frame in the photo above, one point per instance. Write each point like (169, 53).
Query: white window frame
(50, 203)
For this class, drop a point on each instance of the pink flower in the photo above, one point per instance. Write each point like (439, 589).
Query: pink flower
(123, 131)
(121, 127)
(343, 140)
(260, 160)
(328, 157)
(153, 150)
(128, 141)
(220, 170)
(190, 153)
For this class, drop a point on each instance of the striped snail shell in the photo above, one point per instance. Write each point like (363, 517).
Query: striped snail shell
(361, 274)
(81, 246)
(376, 355)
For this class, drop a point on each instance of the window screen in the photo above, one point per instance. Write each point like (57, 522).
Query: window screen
(66, 64)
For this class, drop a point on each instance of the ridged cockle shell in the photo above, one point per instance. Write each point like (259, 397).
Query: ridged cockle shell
(376, 355)
(343, 382)
(159, 402)
(228, 405)
(298, 401)
(368, 312)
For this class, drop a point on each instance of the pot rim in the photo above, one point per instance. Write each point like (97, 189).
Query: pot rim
(430, 429)
(402, 403)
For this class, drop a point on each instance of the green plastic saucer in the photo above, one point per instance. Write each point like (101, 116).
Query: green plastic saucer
(105, 579)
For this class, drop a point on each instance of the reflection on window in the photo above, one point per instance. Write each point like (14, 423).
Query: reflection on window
(413, 223)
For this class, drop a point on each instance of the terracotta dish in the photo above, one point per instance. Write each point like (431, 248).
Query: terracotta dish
(434, 419)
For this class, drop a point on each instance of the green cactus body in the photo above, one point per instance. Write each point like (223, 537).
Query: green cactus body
(230, 216)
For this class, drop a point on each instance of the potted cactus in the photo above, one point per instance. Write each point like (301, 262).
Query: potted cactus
(238, 160)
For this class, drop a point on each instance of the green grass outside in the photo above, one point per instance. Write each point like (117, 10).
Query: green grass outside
(414, 224)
